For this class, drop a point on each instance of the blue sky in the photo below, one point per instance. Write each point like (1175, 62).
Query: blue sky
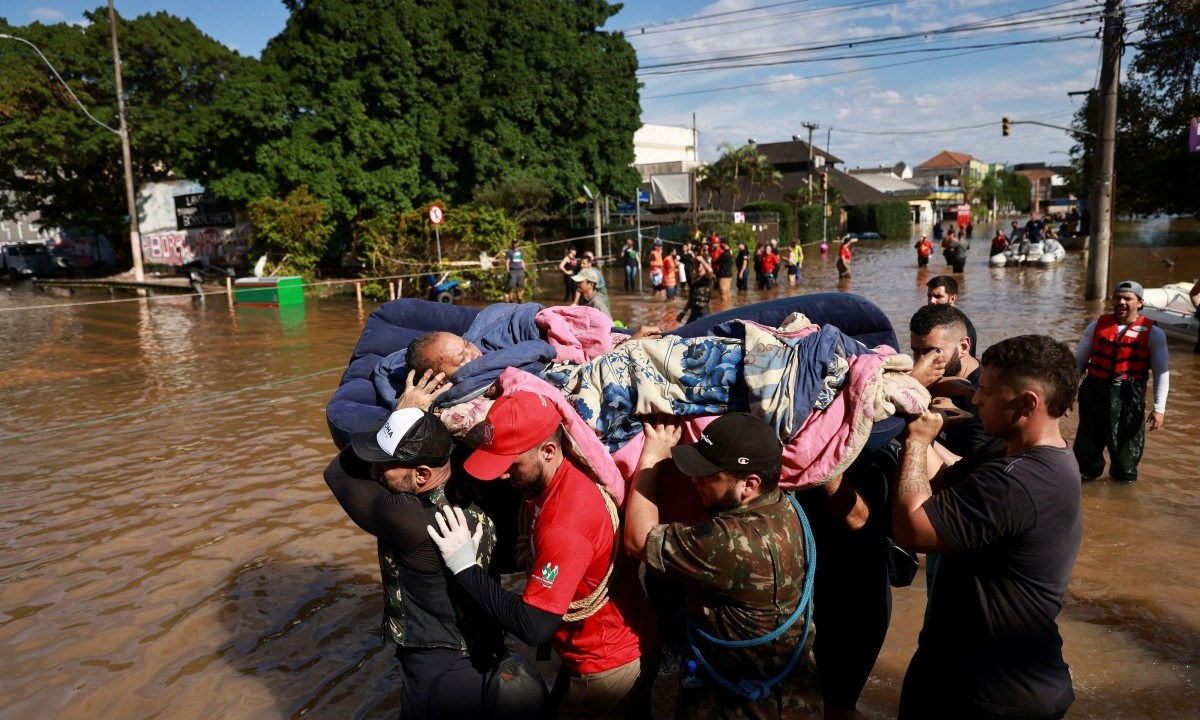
(937, 87)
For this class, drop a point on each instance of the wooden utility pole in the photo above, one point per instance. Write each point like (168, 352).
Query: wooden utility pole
(1100, 239)
(135, 236)
(811, 127)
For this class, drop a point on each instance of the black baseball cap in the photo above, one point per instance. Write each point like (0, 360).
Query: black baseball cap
(737, 442)
(409, 437)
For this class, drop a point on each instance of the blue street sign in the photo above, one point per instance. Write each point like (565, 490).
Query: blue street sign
(626, 208)
(643, 195)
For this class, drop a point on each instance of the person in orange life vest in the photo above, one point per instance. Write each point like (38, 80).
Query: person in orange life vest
(1119, 352)
(924, 250)
(583, 592)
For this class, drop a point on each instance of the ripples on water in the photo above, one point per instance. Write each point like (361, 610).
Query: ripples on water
(171, 551)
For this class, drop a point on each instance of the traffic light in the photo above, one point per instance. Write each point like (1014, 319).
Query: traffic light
(824, 181)
(1005, 126)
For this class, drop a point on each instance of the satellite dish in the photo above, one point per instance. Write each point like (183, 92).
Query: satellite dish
(260, 266)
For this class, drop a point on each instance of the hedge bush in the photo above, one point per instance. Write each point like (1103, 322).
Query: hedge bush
(890, 218)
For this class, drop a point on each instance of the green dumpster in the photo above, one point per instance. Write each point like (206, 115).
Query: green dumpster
(285, 290)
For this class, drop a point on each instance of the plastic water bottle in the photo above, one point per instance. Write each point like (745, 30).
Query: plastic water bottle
(691, 678)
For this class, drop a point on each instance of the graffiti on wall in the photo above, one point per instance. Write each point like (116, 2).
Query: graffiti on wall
(176, 247)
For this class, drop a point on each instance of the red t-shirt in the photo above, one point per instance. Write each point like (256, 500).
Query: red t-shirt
(844, 253)
(769, 261)
(572, 543)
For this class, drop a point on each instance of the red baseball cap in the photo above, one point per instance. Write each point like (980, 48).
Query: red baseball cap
(516, 423)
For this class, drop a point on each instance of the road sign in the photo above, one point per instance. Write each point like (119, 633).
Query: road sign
(626, 208)
(435, 215)
(643, 195)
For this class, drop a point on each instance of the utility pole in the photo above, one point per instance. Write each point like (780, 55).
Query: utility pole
(135, 235)
(811, 127)
(825, 190)
(1102, 193)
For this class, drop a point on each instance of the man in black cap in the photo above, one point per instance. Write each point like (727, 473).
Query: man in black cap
(392, 482)
(1119, 352)
(747, 572)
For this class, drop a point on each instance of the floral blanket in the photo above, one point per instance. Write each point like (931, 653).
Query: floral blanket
(780, 374)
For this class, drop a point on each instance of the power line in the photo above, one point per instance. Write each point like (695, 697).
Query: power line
(742, 86)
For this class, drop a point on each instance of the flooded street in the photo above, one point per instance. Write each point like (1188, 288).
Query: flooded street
(171, 550)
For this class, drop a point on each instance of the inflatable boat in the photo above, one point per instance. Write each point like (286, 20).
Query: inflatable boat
(1171, 308)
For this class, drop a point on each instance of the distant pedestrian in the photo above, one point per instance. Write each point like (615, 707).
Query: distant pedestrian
(629, 257)
(769, 263)
(843, 262)
(700, 289)
(924, 250)
(743, 268)
(795, 263)
(999, 243)
(723, 269)
(670, 275)
(569, 266)
(514, 265)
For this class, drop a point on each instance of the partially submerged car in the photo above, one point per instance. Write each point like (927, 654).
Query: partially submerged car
(20, 260)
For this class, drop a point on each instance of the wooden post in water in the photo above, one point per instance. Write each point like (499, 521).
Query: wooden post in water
(1100, 238)
(358, 292)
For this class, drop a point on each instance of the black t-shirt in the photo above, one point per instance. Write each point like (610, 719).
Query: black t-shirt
(975, 349)
(991, 641)
(724, 264)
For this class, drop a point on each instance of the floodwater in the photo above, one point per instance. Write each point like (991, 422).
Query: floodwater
(170, 550)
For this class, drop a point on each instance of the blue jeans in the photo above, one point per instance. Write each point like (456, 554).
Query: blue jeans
(631, 277)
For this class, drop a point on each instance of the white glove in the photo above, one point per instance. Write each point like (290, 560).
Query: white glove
(455, 542)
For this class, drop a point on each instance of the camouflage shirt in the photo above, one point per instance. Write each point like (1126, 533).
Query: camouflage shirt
(743, 571)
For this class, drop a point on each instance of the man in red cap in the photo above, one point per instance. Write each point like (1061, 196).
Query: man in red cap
(583, 593)
(747, 572)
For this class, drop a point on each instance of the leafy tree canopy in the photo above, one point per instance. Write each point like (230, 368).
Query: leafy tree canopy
(395, 103)
(1154, 171)
(182, 89)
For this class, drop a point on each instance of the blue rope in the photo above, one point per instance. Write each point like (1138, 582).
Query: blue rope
(758, 690)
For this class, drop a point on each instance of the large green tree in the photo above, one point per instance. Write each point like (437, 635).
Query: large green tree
(397, 102)
(181, 90)
(1154, 171)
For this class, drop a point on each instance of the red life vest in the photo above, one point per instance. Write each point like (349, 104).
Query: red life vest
(1121, 355)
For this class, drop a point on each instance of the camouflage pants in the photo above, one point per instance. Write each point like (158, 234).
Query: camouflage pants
(1112, 416)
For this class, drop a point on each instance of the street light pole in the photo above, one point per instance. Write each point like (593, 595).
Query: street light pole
(135, 235)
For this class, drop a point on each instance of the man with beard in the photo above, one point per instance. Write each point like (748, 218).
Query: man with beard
(747, 572)
(583, 593)
(942, 330)
(943, 290)
(1120, 352)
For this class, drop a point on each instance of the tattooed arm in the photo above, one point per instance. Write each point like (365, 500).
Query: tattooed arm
(910, 525)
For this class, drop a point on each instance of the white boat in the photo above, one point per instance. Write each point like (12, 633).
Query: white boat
(1037, 253)
(1171, 308)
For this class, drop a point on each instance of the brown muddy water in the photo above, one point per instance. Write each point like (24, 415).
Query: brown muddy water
(170, 550)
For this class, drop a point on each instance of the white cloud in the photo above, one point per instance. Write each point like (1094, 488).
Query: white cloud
(46, 15)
